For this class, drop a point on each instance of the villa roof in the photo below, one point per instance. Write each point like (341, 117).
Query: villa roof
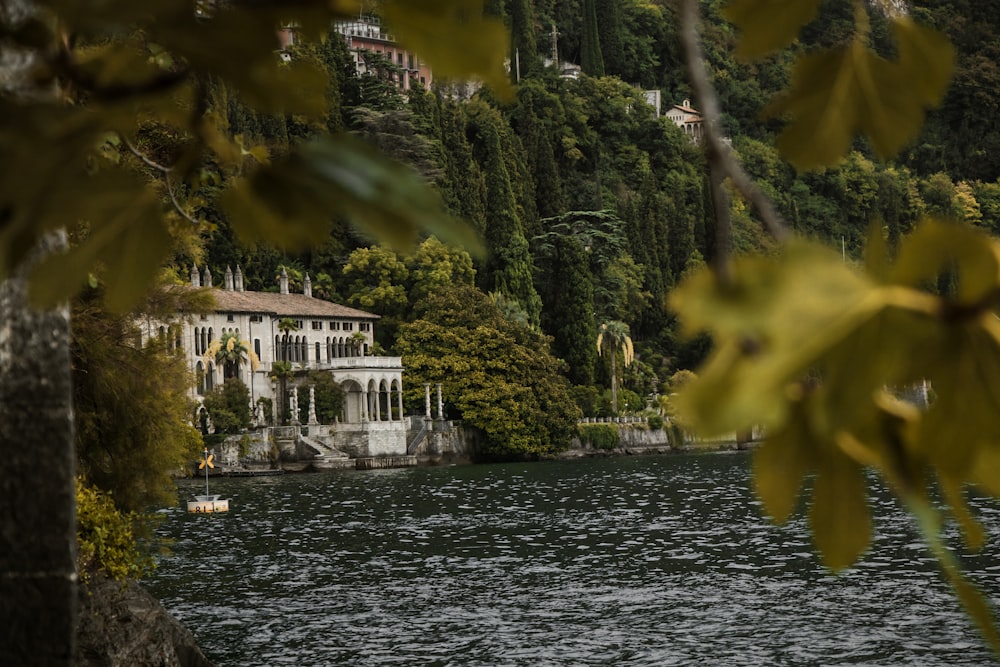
(283, 305)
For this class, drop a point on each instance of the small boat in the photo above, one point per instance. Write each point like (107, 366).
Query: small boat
(207, 504)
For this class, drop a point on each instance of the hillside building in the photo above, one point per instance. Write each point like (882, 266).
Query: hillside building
(366, 34)
(689, 120)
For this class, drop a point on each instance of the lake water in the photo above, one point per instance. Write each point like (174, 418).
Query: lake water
(624, 561)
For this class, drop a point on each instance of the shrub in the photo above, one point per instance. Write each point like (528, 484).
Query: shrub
(655, 422)
(106, 538)
(599, 436)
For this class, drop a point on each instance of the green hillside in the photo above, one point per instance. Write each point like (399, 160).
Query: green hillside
(591, 208)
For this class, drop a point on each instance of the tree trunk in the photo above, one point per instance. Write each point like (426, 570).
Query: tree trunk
(38, 588)
(614, 382)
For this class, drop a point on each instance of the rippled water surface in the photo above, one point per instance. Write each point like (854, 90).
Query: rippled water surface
(627, 561)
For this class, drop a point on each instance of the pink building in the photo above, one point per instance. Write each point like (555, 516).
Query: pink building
(367, 34)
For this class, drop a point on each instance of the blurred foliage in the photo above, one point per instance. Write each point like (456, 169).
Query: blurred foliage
(115, 70)
(130, 398)
(106, 537)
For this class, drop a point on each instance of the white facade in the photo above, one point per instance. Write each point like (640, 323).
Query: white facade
(687, 119)
(327, 337)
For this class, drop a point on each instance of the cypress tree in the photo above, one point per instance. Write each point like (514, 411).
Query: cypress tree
(524, 47)
(549, 198)
(462, 187)
(591, 58)
(508, 268)
(572, 310)
(609, 28)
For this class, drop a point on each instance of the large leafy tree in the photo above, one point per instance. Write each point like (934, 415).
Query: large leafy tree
(435, 266)
(229, 407)
(131, 432)
(496, 374)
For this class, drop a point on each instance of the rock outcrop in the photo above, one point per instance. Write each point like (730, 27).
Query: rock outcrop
(122, 625)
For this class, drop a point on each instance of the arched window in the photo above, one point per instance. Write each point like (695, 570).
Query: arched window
(304, 352)
(197, 343)
(256, 347)
(329, 349)
(317, 352)
(204, 340)
(278, 353)
(211, 337)
(210, 377)
(200, 373)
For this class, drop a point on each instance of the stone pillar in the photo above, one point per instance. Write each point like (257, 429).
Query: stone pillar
(440, 403)
(364, 405)
(312, 405)
(38, 585)
(427, 400)
(293, 405)
(399, 401)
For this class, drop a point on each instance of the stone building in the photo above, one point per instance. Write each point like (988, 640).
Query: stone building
(366, 33)
(305, 334)
(687, 119)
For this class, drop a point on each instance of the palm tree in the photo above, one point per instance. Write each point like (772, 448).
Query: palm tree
(614, 337)
(230, 352)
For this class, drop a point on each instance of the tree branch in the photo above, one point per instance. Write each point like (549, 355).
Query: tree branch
(149, 162)
(720, 157)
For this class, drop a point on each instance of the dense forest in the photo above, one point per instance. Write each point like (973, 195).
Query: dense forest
(590, 206)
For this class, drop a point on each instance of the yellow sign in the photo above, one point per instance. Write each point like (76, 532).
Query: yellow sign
(207, 461)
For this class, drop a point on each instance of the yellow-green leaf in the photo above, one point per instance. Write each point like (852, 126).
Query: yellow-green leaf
(455, 37)
(767, 25)
(291, 201)
(775, 318)
(926, 58)
(936, 246)
(840, 92)
(839, 516)
(780, 465)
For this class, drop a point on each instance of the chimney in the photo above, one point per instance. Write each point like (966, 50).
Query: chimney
(195, 276)
(239, 279)
(207, 277)
(229, 279)
(307, 286)
(283, 281)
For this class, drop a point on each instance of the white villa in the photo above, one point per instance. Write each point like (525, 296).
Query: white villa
(327, 337)
(687, 119)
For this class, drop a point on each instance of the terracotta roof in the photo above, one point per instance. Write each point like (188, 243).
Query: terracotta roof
(687, 109)
(283, 305)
